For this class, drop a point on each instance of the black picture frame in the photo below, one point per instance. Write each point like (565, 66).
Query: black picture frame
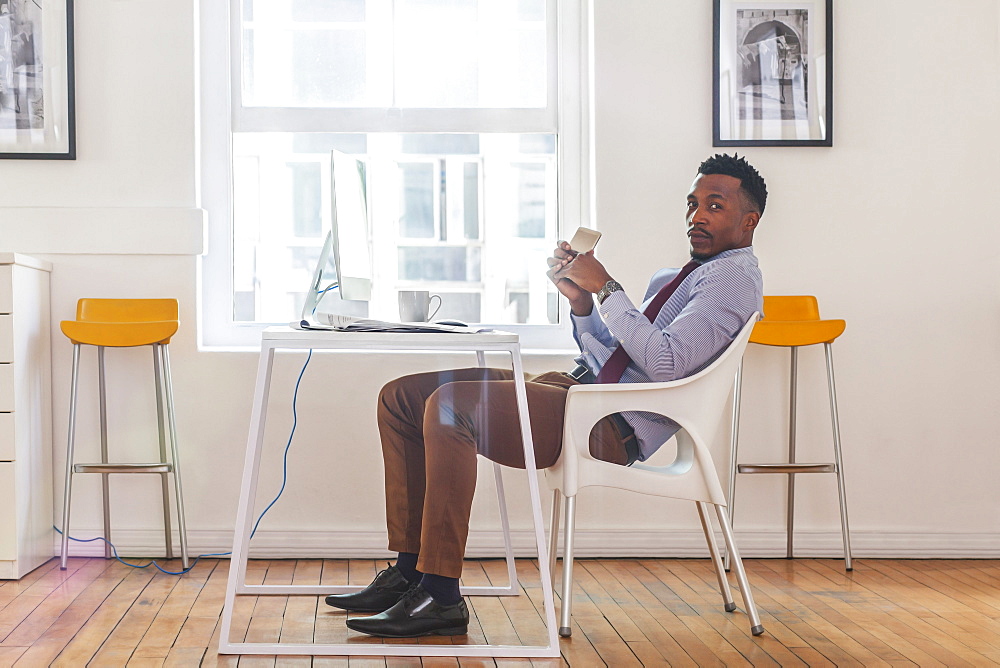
(37, 82)
(772, 73)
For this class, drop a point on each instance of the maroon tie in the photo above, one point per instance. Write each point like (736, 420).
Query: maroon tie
(613, 369)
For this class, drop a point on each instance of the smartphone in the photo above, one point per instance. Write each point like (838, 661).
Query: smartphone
(584, 240)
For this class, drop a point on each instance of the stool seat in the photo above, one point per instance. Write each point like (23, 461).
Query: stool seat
(787, 333)
(119, 334)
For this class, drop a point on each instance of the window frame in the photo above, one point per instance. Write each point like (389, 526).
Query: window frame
(568, 84)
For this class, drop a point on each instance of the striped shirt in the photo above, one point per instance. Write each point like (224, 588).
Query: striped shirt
(695, 325)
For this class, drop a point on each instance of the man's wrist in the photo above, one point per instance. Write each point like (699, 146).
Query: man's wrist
(611, 286)
(582, 307)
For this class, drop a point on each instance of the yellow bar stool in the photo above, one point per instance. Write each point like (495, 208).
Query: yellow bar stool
(793, 322)
(124, 323)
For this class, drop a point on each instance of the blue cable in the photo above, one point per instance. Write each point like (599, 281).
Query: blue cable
(322, 292)
(284, 481)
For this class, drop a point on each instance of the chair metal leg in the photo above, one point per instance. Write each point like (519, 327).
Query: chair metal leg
(848, 565)
(566, 611)
(161, 431)
(105, 488)
(68, 486)
(756, 628)
(554, 534)
(792, 408)
(733, 448)
(175, 456)
(713, 550)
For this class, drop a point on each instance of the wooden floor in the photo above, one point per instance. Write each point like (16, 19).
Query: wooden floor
(626, 613)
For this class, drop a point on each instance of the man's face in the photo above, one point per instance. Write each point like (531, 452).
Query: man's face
(718, 218)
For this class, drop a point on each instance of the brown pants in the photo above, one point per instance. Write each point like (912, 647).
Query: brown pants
(432, 426)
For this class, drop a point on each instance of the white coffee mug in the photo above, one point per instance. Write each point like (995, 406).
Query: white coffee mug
(415, 305)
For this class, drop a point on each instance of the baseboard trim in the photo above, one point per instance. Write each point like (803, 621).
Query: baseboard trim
(596, 543)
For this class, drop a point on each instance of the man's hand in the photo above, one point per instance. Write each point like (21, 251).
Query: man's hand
(580, 300)
(579, 279)
(587, 273)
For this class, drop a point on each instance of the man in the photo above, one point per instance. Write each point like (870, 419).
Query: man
(432, 425)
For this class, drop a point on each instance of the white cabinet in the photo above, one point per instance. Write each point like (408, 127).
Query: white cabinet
(26, 535)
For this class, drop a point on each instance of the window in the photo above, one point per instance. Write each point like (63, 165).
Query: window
(471, 142)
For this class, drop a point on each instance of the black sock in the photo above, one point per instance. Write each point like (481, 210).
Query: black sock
(443, 590)
(406, 562)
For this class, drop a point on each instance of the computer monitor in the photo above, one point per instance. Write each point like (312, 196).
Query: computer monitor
(346, 287)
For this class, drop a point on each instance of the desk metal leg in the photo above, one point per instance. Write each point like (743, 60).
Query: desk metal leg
(248, 492)
(536, 502)
(512, 588)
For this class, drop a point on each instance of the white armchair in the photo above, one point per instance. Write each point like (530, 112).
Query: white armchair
(697, 403)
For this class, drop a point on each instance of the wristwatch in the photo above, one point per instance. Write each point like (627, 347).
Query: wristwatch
(609, 287)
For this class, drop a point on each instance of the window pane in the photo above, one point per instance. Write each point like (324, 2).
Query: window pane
(304, 68)
(470, 217)
(463, 53)
(531, 200)
(464, 306)
(437, 263)
(304, 10)
(470, 203)
(328, 10)
(307, 198)
(406, 53)
(417, 201)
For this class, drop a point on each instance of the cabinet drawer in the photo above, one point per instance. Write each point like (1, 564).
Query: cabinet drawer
(8, 512)
(6, 388)
(6, 289)
(6, 338)
(7, 437)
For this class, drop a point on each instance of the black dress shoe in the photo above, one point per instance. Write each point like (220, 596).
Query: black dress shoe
(416, 614)
(383, 593)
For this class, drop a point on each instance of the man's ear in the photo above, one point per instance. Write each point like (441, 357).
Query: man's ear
(750, 219)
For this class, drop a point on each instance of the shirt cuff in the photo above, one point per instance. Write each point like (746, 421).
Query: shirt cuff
(588, 324)
(616, 306)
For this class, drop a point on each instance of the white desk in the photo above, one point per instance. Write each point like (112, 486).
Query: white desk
(276, 338)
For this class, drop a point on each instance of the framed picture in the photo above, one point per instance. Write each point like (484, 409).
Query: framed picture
(37, 116)
(773, 73)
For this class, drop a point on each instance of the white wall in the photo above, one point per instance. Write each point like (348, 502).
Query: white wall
(893, 229)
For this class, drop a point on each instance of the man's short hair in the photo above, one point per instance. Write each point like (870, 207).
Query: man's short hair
(751, 182)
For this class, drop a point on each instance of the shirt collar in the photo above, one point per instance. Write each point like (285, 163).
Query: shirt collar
(728, 253)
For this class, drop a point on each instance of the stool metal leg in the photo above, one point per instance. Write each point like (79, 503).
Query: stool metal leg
(175, 456)
(733, 448)
(105, 489)
(164, 481)
(792, 408)
(68, 486)
(839, 458)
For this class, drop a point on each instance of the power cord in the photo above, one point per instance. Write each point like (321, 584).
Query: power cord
(321, 293)
(284, 481)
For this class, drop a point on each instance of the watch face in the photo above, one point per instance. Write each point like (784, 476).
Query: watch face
(609, 287)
